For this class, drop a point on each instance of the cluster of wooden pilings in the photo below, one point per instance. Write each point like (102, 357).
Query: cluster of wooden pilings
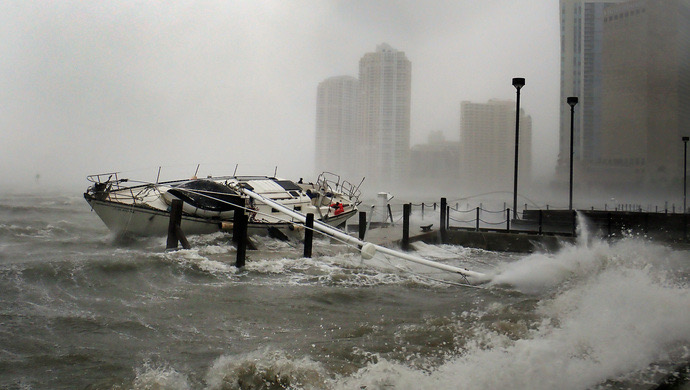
(535, 223)
(239, 232)
(242, 242)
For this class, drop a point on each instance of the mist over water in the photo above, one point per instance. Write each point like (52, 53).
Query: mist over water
(80, 309)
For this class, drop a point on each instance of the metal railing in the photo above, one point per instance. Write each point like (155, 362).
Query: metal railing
(619, 220)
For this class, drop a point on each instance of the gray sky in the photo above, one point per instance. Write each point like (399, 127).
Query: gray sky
(89, 87)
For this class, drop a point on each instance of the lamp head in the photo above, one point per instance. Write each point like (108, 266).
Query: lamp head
(518, 82)
(572, 101)
(686, 139)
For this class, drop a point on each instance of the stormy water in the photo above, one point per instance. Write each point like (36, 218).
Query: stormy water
(80, 308)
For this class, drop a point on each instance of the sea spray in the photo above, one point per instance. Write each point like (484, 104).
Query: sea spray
(265, 369)
(150, 376)
(611, 324)
(541, 271)
(615, 312)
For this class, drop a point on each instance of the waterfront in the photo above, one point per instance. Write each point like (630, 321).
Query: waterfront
(80, 309)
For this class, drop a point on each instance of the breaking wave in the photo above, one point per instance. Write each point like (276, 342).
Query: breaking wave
(593, 315)
(606, 315)
(611, 315)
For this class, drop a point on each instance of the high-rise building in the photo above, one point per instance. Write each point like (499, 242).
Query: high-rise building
(337, 125)
(582, 24)
(646, 85)
(435, 164)
(385, 78)
(487, 145)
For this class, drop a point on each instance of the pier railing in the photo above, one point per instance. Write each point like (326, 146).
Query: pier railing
(668, 223)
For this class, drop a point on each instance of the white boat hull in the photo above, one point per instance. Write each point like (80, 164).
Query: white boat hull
(208, 205)
(143, 221)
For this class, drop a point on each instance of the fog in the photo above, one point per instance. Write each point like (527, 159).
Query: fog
(91, 87)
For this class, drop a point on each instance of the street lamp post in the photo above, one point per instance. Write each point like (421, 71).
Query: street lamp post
(572, 101)
(518, 83)
(685, 171)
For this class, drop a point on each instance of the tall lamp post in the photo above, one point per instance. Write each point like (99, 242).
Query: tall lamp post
(518, 83)
(572, 101)
(685, 171)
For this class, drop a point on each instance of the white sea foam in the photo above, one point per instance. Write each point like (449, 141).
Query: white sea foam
(608, 310)
(265, 369)
(343, 270)
(441, 251)
(150, 377)
(195, 258)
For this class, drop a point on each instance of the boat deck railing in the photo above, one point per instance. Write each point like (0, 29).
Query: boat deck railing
(329, 180)
(110, 186)
(105, 178)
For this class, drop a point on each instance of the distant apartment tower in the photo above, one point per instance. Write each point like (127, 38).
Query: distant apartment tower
(582, 23)
(646, 105)
(385, 84)
(435, 164)
(487, 146)
(337, 125)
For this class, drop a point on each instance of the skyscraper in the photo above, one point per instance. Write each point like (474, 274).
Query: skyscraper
(337, 125)
(487, 145)
(385, 78)
(646, 104)
(582, 23)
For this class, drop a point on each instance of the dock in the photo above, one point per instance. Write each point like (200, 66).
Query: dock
(535, 230)
(486, 239)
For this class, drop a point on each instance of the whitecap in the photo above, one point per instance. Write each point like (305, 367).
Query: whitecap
(265, 368)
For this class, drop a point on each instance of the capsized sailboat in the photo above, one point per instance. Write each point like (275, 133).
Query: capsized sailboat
(139, 208)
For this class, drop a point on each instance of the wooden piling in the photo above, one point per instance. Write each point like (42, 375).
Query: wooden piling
(308, 235)
(407, 209)
(242, 221)
(362, 224)
(236, 224)
(182, 237)
(175, 233)
(443, 226)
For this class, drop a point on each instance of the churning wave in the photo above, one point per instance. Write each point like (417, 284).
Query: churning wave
(595, 314)
(607, 315)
